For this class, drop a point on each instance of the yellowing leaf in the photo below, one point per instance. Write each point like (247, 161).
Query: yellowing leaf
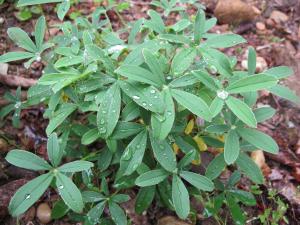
(196, 162)
(175, 148)
(201, 144)
(190, 126)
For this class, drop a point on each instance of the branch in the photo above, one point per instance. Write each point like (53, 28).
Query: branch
(16, 81)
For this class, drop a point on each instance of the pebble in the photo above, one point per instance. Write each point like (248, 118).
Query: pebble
(3, 145)
(1, 20)
(234, 12)
(261, 64)
(44, 213)
(278, 16)
(260, 26)
(171, 220)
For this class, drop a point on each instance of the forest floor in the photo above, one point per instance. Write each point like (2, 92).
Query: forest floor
(274, 33)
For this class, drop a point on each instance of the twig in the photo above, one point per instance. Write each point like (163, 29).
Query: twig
(16, 81)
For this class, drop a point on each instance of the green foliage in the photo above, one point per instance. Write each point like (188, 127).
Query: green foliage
(128, 108)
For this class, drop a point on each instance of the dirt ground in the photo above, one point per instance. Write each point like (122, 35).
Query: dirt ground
(276, 38)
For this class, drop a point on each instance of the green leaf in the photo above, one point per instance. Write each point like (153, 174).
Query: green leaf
(241, 110)
(193, 103)
(162, 124)
(151, 177)
(120, 198)
(59, 210)
(252, 83)
(135, 30)
(285, 92)
(69, 192)
(216, 106)
(232, 147)
(90, 136)
(54, 152)
(175, 38)
(28, 194)
(26, 160)
(163, 153)
(259, 139)
(264, 113)
(251, 61)
(245, 197)
(187, 159)
(60, 116)
(183, 81)
(92, 196)
(235, 210)
(218, 129)
(224, 41)
(15, 56)
(109, 111)
(147, 97)
(39, 32)
(144, 199)
(156, 23)
(126, 129)
(183, 60)
(133, 154)
(249, 168)
(75, 166)
(63, 8)
(68, 61)
(21, 38)
(95, 213)
(35, 2)
(137, 73)
(199, 25)
(180, 197)
(197, 180)
(207, 79)
(215, 167)
(154, 65)
(279, 72)
(117, 213)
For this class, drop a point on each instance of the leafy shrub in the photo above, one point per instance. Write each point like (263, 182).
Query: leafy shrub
(139, 112)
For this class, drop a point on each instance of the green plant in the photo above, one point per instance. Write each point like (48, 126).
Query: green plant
(139, 98)
(15, 105)
(276, 213)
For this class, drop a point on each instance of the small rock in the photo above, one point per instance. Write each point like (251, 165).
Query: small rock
(278, 16)
(3, 145)
(1, 20)
(44, 213)
(234, 11)
(3, 68)
(261, 64)
(170, 220)
(260, 26)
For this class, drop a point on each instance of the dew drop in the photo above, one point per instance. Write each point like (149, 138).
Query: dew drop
(152, 91)
(222, 94)
(144, 104)
(18, 105)
(169, 113)
(136, 97)
(27, 196)
(61, 186)
(150, 104)
(102, 130)
(102, 121)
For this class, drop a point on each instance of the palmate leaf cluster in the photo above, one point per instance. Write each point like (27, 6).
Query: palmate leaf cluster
(125, 111)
